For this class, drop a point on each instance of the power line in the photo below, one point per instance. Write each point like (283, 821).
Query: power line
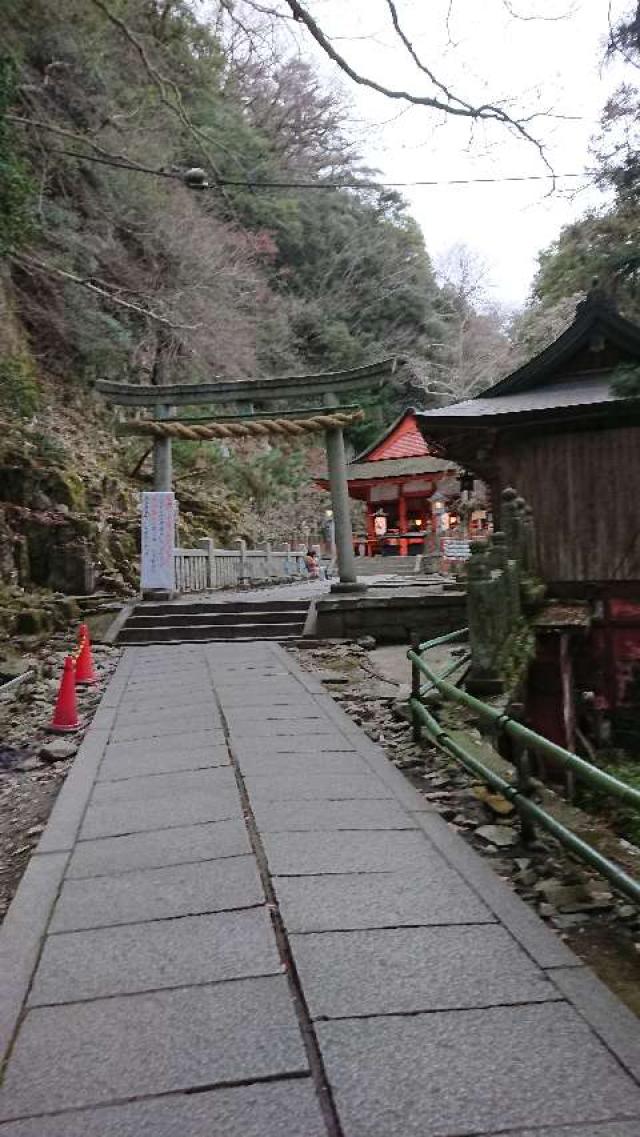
(397, 185)
(251, 184)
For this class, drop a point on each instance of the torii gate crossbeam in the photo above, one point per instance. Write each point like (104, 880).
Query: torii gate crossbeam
(330, 385)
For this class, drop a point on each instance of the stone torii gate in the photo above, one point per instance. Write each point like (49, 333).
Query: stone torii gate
(331, 417)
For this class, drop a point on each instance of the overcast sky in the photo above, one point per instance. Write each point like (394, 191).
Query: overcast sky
(540, 65)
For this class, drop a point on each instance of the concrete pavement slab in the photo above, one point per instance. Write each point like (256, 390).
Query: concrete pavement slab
(177, 723)
(229, 683)
(157, 894)
(130, 1046)
(143, 788)
(116, 766)
(160, 847)
(234, 698)
(301, 854)
(179, 686)
(138, 710)
(616, 1025)
(167, 744)
(110, 819)
(300, 768)
(461, 1072)
(140, 714)
(299, 785)
(157, 701)
(294, 747)
(287, 1108)
(404, 970)
(432, 895)
(76, 966)
(21, 936)
(287, 729)
(180, 669)
(272, 713)
(298, 816)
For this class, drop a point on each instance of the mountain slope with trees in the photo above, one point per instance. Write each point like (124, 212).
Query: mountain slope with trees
(115, 266)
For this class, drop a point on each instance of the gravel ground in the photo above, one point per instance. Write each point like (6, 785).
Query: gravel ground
(30, 775)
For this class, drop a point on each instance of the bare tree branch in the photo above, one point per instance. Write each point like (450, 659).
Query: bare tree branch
(448, 20)
(418, 62)
(108, 156)
(30, 263)
(451, 105)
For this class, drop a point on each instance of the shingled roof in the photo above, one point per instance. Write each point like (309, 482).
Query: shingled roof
(396, 467)
(400, 451)
(572, 375)
(579, 392)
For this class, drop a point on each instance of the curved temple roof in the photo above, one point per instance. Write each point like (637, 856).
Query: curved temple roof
(570, 378)
(249, 390)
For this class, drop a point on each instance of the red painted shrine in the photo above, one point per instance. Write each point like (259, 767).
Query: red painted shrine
(407, 490)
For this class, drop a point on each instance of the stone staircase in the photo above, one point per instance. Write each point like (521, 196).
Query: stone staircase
(385, 566)
(206, 621)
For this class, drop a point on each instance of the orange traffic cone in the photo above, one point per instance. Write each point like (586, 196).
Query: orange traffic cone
(65, 716)
(85, 670)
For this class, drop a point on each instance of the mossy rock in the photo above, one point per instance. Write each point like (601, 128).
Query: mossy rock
(65, 611)
(18, 482)
(35, 486)
(33, 621)
(63, 487)
(7, 621)
(19, 391)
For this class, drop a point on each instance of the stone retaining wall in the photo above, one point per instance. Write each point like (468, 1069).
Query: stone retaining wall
(391, 619)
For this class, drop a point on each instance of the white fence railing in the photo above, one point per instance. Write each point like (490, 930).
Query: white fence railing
(204, 568)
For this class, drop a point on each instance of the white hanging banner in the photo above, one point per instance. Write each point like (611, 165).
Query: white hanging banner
(158, 538)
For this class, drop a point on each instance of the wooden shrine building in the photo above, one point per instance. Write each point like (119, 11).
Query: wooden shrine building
(560, 433)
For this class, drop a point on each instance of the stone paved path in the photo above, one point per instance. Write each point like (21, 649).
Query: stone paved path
(241, 921)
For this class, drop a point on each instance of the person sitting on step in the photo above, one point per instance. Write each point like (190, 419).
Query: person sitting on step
(312, 565)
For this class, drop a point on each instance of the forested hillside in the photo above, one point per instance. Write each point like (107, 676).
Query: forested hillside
(118, 264)
(231, 280)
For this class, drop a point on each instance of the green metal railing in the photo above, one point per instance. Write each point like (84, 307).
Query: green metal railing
(527, 741)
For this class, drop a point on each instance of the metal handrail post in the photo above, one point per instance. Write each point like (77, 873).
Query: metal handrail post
(415, 692)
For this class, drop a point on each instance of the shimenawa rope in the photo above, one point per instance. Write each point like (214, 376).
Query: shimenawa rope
(255, 428)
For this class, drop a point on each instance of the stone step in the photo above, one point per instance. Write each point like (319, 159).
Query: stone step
(190, 633)
(229, 615)
(384, 566)
(161, 608)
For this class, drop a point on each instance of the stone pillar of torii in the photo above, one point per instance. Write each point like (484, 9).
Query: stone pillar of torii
(163, 402)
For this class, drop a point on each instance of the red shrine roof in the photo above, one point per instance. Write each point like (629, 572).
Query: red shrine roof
(402, 440)
(401, 452)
